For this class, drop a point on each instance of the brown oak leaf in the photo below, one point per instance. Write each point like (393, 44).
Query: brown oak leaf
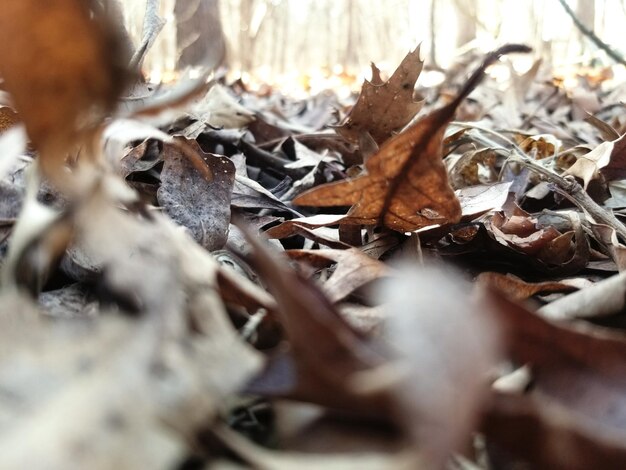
(385, 107)
(406, 183)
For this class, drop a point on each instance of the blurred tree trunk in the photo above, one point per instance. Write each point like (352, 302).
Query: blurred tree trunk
(433, 33)
(466, 19)
(350, 57)
(586, 13)
(199, 33)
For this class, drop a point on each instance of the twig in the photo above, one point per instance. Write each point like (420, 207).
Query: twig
(612, 53)
(575, 192)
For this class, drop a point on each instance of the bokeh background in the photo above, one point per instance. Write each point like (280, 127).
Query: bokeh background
(283, 40)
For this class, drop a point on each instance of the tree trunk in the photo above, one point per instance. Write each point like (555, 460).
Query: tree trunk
(466, 12)
(586, 13)
(199, 33)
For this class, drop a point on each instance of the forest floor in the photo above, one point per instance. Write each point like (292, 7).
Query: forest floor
(203, 275)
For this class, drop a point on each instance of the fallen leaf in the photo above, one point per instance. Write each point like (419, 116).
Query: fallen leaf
(443, 382)
(540, 434)
(248, 193)
(353, 270)
(606, 297)
(286, 229)
(385, 108)
(579, 366)
(608, 158)
(476, 200)
(218, 108)
(607, 132)
(406, 186)
(517, 229)
(367, 320)
(322, 235)
(318, 335)
(60, 85)
(209, 217)
(517, 289)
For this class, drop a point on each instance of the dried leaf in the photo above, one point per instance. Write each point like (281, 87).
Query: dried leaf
(579, 366)
(476, 200)
(318, 336)
(286, 229)
(384, 108)
(64, 70)
(519, 230)
(541, 434)
(354, 269)
(322, 235)
(188, 198)
(247, 193)
(444, 381)
(218, 108)
(406, 186)
(607, 297)
(517, 289)
(608, 158)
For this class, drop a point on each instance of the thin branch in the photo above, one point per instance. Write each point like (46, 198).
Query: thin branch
(575, 192)
(612, 53)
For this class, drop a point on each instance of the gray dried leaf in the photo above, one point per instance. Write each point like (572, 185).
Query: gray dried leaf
(604, 298)
(189, 199)
(141, 158)
(248, 194)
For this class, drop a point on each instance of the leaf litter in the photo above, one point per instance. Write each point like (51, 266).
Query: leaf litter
(199, 274)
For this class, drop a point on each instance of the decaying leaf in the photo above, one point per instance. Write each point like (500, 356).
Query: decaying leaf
(578, 367)
(353, 270)
(607, 297)
(406, 186)
(517, 289)
(209, 217)
(385, 108)
(318, 335)
(608, 158)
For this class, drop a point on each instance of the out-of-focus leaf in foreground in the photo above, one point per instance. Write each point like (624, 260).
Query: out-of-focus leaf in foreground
(447, 346)
(577, 372)
(64, 69)
(318, 337)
